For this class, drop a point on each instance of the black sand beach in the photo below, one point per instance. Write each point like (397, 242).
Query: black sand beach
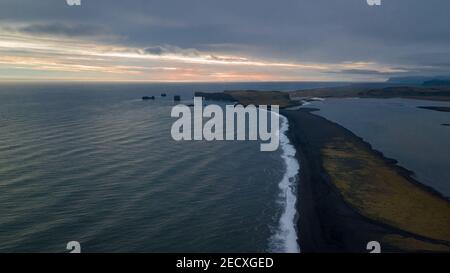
(348, 193)
(328, 219)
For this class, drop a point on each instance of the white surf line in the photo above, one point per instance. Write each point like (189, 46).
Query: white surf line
(285, 239)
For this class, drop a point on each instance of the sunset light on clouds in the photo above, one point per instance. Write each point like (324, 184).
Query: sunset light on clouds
(159, 44)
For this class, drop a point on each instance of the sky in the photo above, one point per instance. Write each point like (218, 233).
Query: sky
(226, 40)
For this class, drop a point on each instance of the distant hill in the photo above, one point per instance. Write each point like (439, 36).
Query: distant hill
(417, 80)
(437, 83)
(408, 80)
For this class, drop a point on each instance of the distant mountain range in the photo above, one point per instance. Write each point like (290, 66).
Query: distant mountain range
(437, 83)
(421, 80)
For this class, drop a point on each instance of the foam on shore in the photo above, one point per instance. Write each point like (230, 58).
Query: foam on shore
(285, 237)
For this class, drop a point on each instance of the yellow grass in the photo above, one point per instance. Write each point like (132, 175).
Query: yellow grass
(377, 191)
(410, 244)
(261, 98)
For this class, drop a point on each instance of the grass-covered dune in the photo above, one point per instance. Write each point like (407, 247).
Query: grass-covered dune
(382, 192)
(248, 97)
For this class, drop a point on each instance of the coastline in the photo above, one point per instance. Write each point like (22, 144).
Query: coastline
(327, 222)
(349, 194)
(318, 205)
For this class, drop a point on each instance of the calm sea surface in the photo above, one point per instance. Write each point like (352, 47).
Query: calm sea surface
(95, 164)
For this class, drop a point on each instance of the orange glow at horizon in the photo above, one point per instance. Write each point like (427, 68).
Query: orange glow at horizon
(22, 56)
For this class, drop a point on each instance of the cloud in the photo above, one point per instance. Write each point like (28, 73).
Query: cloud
(58, 29)
(362, 72)
(155, 50)
(55, 29)
(171, 50)
(301, 39)
(168, 50)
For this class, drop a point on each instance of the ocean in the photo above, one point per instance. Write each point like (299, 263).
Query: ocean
(94, 163)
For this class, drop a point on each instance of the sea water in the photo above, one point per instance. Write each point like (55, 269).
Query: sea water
(94, 163)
